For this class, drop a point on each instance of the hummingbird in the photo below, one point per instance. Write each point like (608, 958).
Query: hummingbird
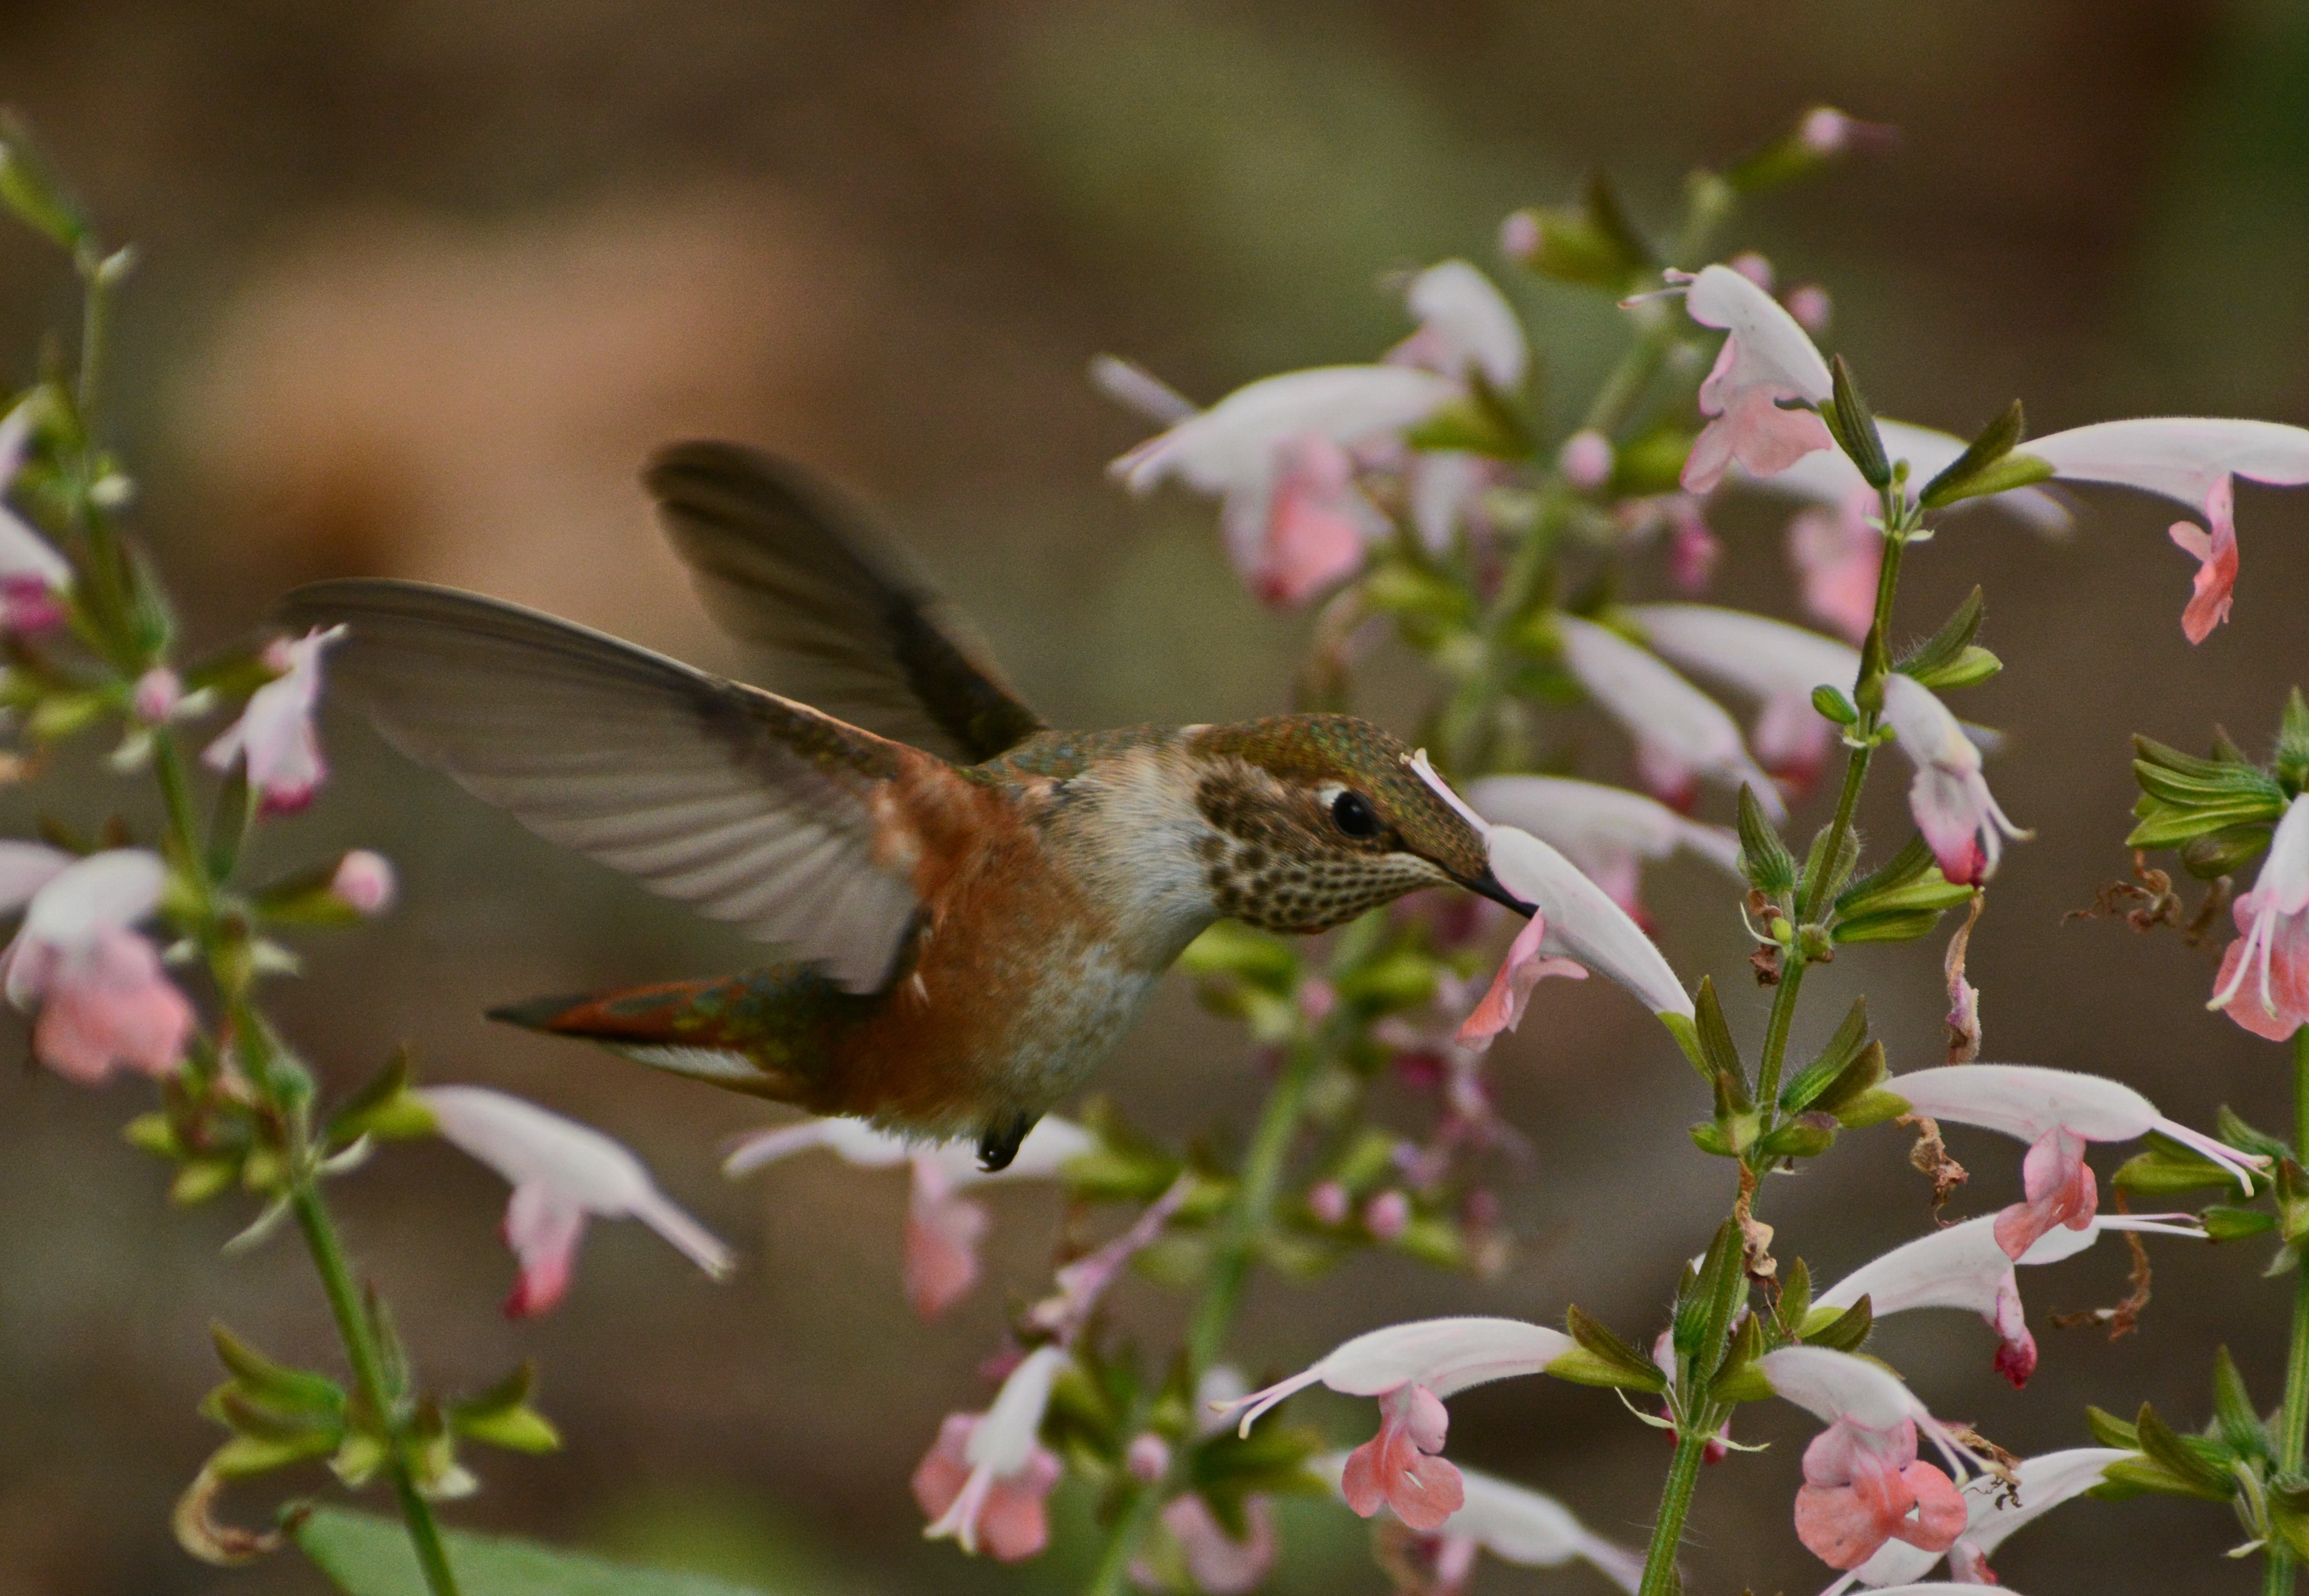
(969, 909)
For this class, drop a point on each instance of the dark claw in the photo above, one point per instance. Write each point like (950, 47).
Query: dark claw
(998, 1143)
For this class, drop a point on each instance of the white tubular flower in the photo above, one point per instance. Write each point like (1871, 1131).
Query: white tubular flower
(1863, 1483)
(1992, 1513)
(1514, 1524)
(1949, 797)
(561, 1173)
(2192, 458)
(1464, 324)
(943, 1228)
(275, 734)
(1608, 832)
(1771, 661)
(1766, 358)
(103, 1001)
(1680, 733)
(1963, 1266)
(33, 576)
(987, 1475)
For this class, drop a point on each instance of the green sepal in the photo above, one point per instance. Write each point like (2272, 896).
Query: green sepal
(33, 191)
(1906, 926)
(501, 1416)
(2019, 469)
(384, 1107)
(1725, 1253)
(1232, 948)
(2109, 1430)
(1687, 1037)
(2137, 1476)
(1227, 1469)
(1764, 857)
(2293, 743)
(2174, 825)
(359, 1458)
(2292, 1201)
(1123, 1165)
(1794, 1304)
(153, 1134)
(199, 1179)
(1912, 863)
(1848, 417)
(2224, 1223)
(229, 821)
(1839, 1330)
(1709, 1138)
(2196, 1465)
(1603, 1358)
(1403, 978)
(2211, 855)
(1737, 1377)
(2177, 778)
(244, 1456)
(1842, 1049)
(1483, 422)
(2231, 1128)
(1872, 1108)
(1593, 245)
(1797, 1139)
(2241, 1426)
(1717, 1051)
(1400, 587)
(2286, 1512)
(1964, 477)
(1945, 646)
(1837, 870)
(2165, 1167)
(1853, 1082)
(1652, 461)
(1833, 705)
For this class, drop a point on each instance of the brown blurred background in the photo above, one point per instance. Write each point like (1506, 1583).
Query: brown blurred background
(424, 282)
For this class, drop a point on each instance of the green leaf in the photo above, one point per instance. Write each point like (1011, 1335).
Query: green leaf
(1945, 646)
(1625, 1365)
(367, 1555)
(1764, 858)
(2224, 1224)
(1853, 424)
(1994, 442)
(2233, 1409)
(1834, 1059)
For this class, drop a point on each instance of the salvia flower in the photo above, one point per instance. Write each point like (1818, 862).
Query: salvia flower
(1766, 358)
(1771, 661)
(1585, 460)
(1994, 1510)
(1950, 796)
(943, 1227)
(1681, 734)
(2195, 460)
(275, 734)
(1965, 1267)
(103, 1001)
(33, 576)
(2056, 1112)
(1466, 326)
(1572, 918)
(1411, 1368)
(561, 1173)
(1608, 832)
(2264, 984)
(985, 1480)
(1512, 1523)
(1216, 1563)
(1863, 1483)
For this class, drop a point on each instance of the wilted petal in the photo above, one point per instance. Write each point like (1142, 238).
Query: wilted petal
(561, 1172)
(1671, 721)
(1464, 322)
(275, 734)
(1765, 358)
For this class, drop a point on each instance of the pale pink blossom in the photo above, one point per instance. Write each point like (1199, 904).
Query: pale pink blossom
(275, 734)
(1388, 1215)
(1767, 359)
(1993, 1512)
(1770, 660)
(1965, 1266)
(1135, 388)
(1756, 267)
(1519, 236)
(2057, 1112)
(1585, 460)
(1315, 525)
(1445, 490)
(1328, 1201)
(1838, 557)
(1578, 919)
(1466, 328)
(1147, 1458)
(2192, 459)
(985, 1480)
(561, 1173)
(102, 999)
(1950, 796)
(1083, 1282)
(1809, 304)
(1513, 1523)
(363, 881)
(1693, 549)
(2267, 966)
(1831, 481)
(1607, 831)
(1411, 1368)
(155, 696)
(1681, 734)
(33, 576)
(1215, 1561)
(944, 1228)
(1863, 1484)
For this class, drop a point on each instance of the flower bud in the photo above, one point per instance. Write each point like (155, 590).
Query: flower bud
(1148, 1457)
(1327, 1202)
(1388, 1215)
(157, 693)
(363, 883)
(1585, 460)
(1519, 236)
(1825, 131)
(1756, 268)
(1809, 303)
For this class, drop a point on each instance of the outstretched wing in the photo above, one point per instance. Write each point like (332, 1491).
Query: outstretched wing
(751, 808)
(783, 565)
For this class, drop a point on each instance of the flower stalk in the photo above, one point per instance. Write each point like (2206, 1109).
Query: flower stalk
(2281, 1574)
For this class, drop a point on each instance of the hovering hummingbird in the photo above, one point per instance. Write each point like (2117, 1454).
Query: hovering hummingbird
(973, 909)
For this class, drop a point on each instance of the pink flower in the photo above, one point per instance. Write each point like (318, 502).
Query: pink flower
(1809, 304)
(1466, 328)
(985, 1479)
(560, 1172)
(1328, 1201)
(1966, 1267)
(943, 1228)
(1585, 460)
(33, 576)
(1411, 1368)
(1388, 1215)
(275, 734)
(1607, 831)
(1768, 659)
(1680, 733)
(103, 1001)
(1693, 550)
(2056, 1112)
(1215, 1561)
(1863, 1485)
(2274, 949)
(1766, 358)
(1519, 975)
(2192, 459)
(155, 696)
(1992, 1513)
(1147, 1458)
(1838, 557)
(1950, 796)
(1315, 525)
(1445, 490)
(363, 881)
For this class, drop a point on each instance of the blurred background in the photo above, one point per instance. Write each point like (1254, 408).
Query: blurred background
(424, 282)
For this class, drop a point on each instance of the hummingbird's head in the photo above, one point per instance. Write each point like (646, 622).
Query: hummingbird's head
(1316, 818)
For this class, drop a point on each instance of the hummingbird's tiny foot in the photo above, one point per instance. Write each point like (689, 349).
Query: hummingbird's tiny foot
(998, 1143)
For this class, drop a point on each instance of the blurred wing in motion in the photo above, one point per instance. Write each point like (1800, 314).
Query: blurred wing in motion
(784, 565)
(752, 809)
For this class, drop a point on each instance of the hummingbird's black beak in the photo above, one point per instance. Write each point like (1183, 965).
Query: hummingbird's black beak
(1487, 885)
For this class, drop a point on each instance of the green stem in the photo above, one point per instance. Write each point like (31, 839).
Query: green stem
(1254, 1206)
(1112, 1575)
(2293, 1422)
(1675, 1504)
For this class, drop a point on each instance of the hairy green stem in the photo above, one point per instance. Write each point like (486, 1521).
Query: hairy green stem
(1676, 1505)
(2293, 1420)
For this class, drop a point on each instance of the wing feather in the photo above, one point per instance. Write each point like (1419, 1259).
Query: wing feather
(751, 808)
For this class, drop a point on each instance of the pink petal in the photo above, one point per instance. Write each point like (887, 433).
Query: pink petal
(543, 1231)
(1015, 1524)
(1837, 559)
(1947, 810)
(939, 1476)
(2015, 1359)
(2288, 979)
(2061, 1190)
(1215, 1561)
(1359, 1482)
(1843, 1525)
(1314, 537)
(110, 1005)
(2216, 581)
(1525, 966)
(942, 1238)
(1939, 1515)
(1694, 549)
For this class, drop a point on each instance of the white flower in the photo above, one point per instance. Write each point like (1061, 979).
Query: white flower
(275, 734)
(1993, 1512)
(2274, 950)
(1829, 480)
(32, 574)
(1863, 1484)
(102, 998)
(1949, 797)
(1680, 732)
(988, 1473)
(560, 1172)
(1766, 358)
(1606, 830)
(1464, 324)
(1514, 1524)
(1770, 660)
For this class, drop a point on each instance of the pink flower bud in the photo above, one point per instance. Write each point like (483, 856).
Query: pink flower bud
(1327, 1202)
(1585, 460)
(364, 881)
(157, 694)
(1756, 268)
(1825, 131)
(1148, 1458)
(1519, 236)
(1808, 302)
(1317, 999)
(1388, 1215)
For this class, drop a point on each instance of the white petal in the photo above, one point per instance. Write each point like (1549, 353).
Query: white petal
(1444, 1355)
(1588, 820)
(1469, 316)
(1763, 658)
(2180, 457)
(25, 867)
(1828, 478)
(23, 552)
(1831, 1385)
(2026, 1100)
(2046, 1482)
(102, 893)
(1135, 388)
(1005, 1439)
(1516, 1524)
(1959, 1267)
(2284, 883)
(1927, 732)
(1231, 444)
(1659, 707)
(1773, 349)
(1583, 923)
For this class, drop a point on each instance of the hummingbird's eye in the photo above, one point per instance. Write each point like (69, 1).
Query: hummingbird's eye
(1351, 813)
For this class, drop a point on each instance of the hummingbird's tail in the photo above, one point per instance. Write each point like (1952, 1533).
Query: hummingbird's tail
(755, 1034)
